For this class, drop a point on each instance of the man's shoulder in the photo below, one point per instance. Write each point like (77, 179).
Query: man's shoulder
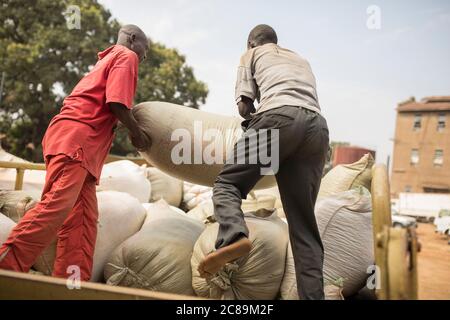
(123, 54)
(247, 57)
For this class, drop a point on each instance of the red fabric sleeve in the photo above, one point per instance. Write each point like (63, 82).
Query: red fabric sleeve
(122, 80)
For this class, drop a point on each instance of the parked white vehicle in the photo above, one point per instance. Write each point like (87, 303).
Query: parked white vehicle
(443, 225)
(424, 206)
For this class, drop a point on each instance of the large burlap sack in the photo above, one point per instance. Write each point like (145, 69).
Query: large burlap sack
(256, 276)
(345, 224)
(165, 187)
(254, 202)
(288, 291)
(158, 256)
(347, 176)
(159, 120)
(125, 176)
(120, 216)
(33, 181)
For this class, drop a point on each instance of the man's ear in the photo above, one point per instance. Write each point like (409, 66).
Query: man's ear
(132, 38)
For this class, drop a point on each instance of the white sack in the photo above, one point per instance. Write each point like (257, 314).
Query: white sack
(253, 203)
(170, 125)
(165, 187)
(257, 276)
(276, 193)
(345, 224)
(120, 216)
(194, 194)
(14, 204)
(6, 225)
(160, 209)
(289, 284)
(345, 177)
(125, 176)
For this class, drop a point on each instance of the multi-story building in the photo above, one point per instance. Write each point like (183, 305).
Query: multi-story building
(421, 161)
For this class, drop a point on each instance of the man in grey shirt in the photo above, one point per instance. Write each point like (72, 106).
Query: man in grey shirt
(284, 86)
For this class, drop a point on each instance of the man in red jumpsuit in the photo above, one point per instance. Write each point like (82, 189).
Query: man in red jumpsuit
(75, 147)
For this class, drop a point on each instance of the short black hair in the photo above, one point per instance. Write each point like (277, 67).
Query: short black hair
(262, 34)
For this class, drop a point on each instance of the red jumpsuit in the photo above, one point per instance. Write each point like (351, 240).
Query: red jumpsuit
(75, 146)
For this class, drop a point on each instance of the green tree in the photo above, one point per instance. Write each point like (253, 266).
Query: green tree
(43, 59)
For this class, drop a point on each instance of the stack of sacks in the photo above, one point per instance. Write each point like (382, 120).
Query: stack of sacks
(120, 216)
(33, 181)
(345, 224)
(158, 256)
(256, 276)
(125, 176)
(164, 187)
(189, 144)
(194, 194)
(254, 202)
(347, 176)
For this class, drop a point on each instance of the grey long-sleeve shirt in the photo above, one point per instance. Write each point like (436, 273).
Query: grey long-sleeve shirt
(276, 77)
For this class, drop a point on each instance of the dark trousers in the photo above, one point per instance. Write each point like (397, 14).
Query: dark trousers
(303, 145)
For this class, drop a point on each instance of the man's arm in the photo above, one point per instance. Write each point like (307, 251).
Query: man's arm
(246, 89)
(138, 137)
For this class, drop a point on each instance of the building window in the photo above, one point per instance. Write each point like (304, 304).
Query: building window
(414, 156)
(441, 122)
(408, 189)
(438, 158)
(417, 121)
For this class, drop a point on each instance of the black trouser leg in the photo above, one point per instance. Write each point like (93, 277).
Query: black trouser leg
(299, 181)
(231, 186)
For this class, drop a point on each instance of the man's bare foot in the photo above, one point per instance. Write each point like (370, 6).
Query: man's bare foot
(214, 261)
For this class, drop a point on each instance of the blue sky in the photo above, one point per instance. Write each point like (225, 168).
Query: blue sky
(361, 74)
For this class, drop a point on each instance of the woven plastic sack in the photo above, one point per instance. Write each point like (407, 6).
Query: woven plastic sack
(169, 124)
(165, 187)
(125, 176)
(158, 257)
(347, 176)
(257, 276)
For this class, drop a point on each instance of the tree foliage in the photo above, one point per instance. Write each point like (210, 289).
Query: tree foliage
(43, 60)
